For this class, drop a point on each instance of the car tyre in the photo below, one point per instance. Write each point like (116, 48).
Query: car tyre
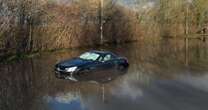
(121, 67)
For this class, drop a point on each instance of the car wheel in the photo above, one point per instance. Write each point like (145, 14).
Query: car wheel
(121, 67)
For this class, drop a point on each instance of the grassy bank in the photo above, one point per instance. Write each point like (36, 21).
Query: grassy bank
(15, 57)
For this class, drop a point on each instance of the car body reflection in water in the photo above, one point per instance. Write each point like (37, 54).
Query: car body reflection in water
(163, 76)
(94, 76)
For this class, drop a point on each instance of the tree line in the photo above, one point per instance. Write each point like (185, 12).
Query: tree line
(35, 25)
(174, 17)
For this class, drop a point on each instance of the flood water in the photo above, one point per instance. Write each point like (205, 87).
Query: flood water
(162, 76)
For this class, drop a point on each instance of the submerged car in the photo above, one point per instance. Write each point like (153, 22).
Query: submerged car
(95, 77)
(89, 62)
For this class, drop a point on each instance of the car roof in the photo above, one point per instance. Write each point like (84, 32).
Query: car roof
(103, 52)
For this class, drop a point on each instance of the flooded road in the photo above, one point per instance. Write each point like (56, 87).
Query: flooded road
(162, 76)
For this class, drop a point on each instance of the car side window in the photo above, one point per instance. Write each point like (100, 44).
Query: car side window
(107, 58)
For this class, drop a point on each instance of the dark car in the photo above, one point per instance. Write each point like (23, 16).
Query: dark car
(89, 62)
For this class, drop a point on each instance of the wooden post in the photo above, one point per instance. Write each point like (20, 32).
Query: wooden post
(186, 51)
(101, 22)
(187, 37)
(103, 92)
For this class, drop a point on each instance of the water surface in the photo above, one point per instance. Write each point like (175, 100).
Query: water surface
(163, 76)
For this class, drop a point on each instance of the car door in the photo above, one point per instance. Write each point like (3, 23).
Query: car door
(108, 62)
(104, 63)
(96, 65)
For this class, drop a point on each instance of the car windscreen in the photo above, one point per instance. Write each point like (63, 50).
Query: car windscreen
(89, 56)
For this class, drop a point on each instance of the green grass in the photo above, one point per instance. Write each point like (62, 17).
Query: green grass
(11, 58)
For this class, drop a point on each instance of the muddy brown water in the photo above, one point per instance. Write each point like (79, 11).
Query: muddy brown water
(162, 76)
